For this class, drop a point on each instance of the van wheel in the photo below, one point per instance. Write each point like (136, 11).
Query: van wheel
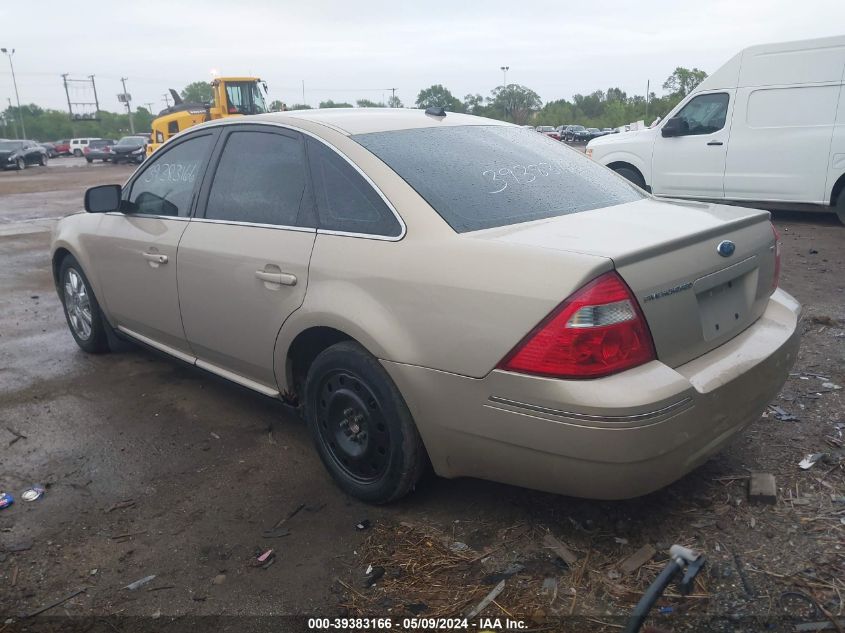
(839, 209)
(82, 311)
(631, 174)
(361, 426)
(77, 152)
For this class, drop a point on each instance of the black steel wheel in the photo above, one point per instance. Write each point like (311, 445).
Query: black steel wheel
(361, 426)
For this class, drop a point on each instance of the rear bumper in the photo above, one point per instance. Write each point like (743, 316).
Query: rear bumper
(612, 438)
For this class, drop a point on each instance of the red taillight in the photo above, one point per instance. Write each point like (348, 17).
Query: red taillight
(86, 150)
(599, 330)
(777, 247)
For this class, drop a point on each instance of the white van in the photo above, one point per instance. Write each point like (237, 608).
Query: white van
(78, 145)
(767, 129)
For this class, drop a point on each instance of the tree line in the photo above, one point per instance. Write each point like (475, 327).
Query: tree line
(515, 103)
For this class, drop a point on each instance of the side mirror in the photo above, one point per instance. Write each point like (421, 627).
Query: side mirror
(676, 126)
(102, 199)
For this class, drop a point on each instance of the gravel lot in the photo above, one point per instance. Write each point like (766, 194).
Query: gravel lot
(154, 468)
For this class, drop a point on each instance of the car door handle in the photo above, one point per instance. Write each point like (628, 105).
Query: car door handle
(715, 143)
(283, 279)
(157, 258)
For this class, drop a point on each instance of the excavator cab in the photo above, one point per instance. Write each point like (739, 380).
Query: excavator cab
(231, 96)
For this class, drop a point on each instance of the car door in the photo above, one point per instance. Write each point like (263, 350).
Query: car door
(136, 249)
(243, 261)
(31, 152)
(692, 164)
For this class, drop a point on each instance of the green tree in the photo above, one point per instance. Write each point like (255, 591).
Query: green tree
(683, 81)
(366, 103)
(517, 103)
(198, 92)
(394, 102)
(438, 96)
(300, 106)
(332, 104)
(474, 104)
(277, 106)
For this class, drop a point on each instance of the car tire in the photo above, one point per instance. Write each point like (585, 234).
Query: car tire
(20, 164)
(42, 160)
(361, 426)
(77, 153)
(840, 207)
(89, 160)
(631, 174)
(82, 311)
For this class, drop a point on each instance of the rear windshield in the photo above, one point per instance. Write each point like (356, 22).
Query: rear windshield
(100, 143)
(479, 177)
(131, 140)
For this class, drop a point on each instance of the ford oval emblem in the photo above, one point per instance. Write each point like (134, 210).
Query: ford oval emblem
(726, 248)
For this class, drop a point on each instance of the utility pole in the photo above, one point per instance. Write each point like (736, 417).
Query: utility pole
(166, 99)
(303, 92)
(647, 88)
(96, 100)
(504, 70)
(15, 126)
(127, 99)
(17, 96)
(392, 95)
(149, 106)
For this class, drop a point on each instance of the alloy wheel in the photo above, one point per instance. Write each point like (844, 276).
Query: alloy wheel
(78, 304)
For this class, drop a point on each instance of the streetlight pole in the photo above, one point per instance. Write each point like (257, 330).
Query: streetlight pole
(14, 121)
(15, 82)
(504, 70)
(128, 105)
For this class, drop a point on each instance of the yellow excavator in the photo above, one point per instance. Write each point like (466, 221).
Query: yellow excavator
(231, 96)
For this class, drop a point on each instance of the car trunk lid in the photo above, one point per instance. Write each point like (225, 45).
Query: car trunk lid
(693, 297)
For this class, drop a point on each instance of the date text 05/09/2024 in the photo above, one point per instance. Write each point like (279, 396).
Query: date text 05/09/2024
(415, 624)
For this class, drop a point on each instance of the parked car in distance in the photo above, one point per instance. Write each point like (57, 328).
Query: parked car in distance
(767, 129)
(549, 131)
(51, 149)
(130, 149)
(19, 154)
(98, 149)
(361, 258)
(593, 132)
(62, 146)
(78, 145)
(608, 130)
(576, 133)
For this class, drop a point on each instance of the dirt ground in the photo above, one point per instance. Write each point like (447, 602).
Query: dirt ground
(154, 468)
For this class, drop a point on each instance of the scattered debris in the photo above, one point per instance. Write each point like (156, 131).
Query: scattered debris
(55, 604)
(810, 460)
(762, 488)
(510, 570)
(457, 546)
(488, 599)
(830, 385)
(373, 575)
(219, 579)
(363, 525)
(214, 435)
(120, 505)
(823, 319)
(562, 551)
(17, 435)
(638, 559)
(132, 586)
(33, 494)
(276, 532)
(19, 546)
(6, 499)
(782, 414)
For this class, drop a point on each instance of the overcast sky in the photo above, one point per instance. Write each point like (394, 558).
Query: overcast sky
(348, 50)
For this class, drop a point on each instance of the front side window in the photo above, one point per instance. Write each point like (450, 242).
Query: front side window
(260, 179)
(245, 98)
(166, 185)
(345, 200)
(705, 114)
(483, 176)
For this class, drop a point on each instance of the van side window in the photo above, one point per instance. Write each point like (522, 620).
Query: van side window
(260, 179)
(345, 201)
(705, 114)
(166, 184)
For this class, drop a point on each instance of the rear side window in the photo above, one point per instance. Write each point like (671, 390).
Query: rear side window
(166, 185)
(345, 200)
(479, 177)
(260, 179)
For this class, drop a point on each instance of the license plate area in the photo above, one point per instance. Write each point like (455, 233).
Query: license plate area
(726, 299)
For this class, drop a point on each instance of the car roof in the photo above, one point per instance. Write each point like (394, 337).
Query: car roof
(364, 120)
